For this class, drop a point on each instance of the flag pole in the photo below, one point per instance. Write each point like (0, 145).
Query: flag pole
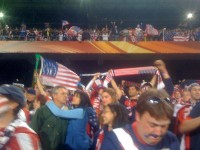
(92, 74)
(164, 34)
(37, 57)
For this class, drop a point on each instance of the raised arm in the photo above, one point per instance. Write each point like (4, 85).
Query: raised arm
(77, 113)
(39, 85)
(165, 75)
(97, 75)
(189, 125)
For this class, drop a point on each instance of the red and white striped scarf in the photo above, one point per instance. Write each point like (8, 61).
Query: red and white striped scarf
(135, 71)
(100, 140)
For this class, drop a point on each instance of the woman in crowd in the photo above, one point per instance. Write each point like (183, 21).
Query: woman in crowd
(114, 116)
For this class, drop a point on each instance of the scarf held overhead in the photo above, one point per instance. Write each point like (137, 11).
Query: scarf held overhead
(135, 71)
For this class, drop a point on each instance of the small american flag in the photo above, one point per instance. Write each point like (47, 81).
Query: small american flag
(65, 22)
(74, 30)
(180, 38)
(150, 30)
(54, 74)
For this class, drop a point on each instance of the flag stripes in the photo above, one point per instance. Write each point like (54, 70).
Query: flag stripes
(54, 74)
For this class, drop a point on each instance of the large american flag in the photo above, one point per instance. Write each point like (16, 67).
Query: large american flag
(54, 74)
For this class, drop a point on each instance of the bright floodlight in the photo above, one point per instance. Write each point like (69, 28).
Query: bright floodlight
(1, 15)
(190, 15)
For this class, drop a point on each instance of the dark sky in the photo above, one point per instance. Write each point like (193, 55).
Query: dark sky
(91, 13)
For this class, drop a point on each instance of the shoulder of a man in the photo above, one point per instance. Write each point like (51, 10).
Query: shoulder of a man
(195, 112)
(171, 141)
(41, 116)
(22, 139)
(110, 142)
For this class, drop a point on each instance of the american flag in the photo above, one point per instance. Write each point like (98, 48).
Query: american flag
(74, 30)
(54, 74)
(65, 22)
(180, 38)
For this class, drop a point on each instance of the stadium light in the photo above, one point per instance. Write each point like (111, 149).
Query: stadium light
(189, 15)
(1, 15)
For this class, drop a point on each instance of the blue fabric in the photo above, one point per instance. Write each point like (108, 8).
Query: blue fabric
(111, 142)
(195, 135)
(77, 138)
(77, 113)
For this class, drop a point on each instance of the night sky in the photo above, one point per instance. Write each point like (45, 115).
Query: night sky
(92, 13)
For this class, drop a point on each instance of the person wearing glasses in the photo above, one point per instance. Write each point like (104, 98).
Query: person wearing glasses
(150, 130)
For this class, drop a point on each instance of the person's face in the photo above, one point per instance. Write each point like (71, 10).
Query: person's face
(132, 91)
(76, 99)
(150, 129)
(61, 96)
(106, 98)
(30, 97)
(6, 111)
(186, 96)
(108, 116)
(145, 88)
(195, 93)
(36, 104)
(177, 94)
(100, 92)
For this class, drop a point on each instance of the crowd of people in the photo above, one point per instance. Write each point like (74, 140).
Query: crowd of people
(108, 33)
(124, 116)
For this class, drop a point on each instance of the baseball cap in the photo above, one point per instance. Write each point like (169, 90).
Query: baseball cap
(14, 93)
(31, 91)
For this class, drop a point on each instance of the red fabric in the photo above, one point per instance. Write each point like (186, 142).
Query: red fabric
(99, 140)
(18, 143)
(27, 114)
(134, 127)
(181, 117)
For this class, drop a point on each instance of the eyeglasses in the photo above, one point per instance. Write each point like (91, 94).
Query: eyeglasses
(156, 100)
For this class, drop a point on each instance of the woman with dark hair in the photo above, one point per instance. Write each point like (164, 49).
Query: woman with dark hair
(77, 137)
(114, 116)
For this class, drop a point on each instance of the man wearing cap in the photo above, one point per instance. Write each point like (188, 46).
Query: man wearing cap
(192, 123)
(15, 134)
